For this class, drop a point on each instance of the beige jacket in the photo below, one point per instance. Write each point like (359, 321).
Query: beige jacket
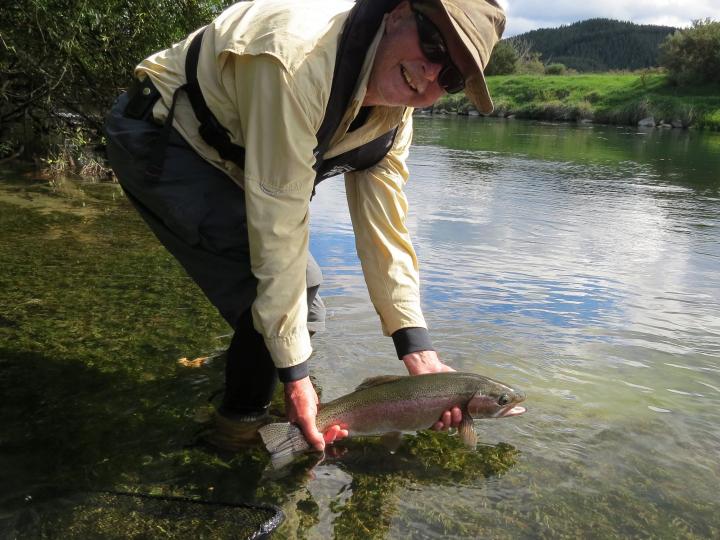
(265, 70)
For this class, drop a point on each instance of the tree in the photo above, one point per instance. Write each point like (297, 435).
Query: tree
(529, 62)
(599, 44)
(555, 69)
(523, 47)
(63, 61)
(693, 55)
(503, 60)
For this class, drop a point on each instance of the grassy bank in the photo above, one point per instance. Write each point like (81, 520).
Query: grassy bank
(602, 98)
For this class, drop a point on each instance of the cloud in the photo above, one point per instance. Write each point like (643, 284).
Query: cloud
(525, 15)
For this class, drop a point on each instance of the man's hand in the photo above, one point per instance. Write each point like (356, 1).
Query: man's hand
(421, 362)
(301, 406)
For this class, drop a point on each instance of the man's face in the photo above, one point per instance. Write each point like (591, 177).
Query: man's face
(401, 74)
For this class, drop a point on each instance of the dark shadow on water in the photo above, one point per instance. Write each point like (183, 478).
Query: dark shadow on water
(69, 428)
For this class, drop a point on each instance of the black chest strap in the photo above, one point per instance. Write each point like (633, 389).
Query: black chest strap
(211, 130)
(358, 32)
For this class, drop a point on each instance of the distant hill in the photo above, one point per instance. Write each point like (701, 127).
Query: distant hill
(599, 44)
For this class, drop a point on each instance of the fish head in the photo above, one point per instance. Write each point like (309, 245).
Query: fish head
(496, 400)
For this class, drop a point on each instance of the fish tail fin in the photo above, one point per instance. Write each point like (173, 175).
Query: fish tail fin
(283, 441)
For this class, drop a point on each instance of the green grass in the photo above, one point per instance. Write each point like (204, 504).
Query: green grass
(607, 98)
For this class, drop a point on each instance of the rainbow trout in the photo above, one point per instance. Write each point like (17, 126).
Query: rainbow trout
(396, 403)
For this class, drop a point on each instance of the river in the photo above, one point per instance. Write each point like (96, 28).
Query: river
(579, 263)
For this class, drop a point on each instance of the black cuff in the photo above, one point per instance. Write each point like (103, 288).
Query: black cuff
(293, 373)
(410, 340)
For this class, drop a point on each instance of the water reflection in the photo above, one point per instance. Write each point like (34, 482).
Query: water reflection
(683, 157)
(579, 263)
(589, 238)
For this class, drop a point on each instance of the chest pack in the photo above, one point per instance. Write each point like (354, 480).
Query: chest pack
(358, 33)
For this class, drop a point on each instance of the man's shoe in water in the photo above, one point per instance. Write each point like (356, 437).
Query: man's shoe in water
(235, 432)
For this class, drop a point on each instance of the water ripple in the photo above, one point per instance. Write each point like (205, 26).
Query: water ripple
(585, 275)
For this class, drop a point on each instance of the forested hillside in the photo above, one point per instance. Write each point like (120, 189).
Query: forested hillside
(599, 44)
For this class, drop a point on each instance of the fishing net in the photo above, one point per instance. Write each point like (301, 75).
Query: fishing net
(138, 516)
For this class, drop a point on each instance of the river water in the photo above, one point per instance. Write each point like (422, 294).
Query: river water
(578, 263)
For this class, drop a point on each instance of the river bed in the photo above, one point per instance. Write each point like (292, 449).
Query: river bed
(579, 263)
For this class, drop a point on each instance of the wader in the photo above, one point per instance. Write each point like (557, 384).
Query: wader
(198, 212)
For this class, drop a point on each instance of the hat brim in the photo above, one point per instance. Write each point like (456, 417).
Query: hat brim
(477, 91)
(471, 64)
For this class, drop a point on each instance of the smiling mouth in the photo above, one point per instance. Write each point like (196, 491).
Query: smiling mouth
(407, 78)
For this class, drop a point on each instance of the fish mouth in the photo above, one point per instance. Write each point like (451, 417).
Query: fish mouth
(517, 410)
(513, 409)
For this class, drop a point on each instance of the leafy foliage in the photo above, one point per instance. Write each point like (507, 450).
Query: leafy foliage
(610, 98)
(599, 44)
(531, 65)
(63, 61)
(607, 98)
(514, 56)
(555, 69)
(503, 60)
(693, 55)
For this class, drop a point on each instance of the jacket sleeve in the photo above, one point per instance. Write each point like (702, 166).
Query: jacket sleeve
(278, 180)
(378, 209)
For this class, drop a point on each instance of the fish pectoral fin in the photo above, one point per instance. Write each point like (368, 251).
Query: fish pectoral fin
(380, 379)
(391, 440)
(467, 431)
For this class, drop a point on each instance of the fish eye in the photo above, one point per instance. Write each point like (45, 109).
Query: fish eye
(504, 399)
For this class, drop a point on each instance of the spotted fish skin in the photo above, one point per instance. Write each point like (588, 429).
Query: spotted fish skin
(395, 403)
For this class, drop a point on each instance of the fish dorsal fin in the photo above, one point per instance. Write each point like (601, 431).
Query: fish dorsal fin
(380, 379)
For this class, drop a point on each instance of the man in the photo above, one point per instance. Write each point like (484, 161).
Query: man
(281, 94)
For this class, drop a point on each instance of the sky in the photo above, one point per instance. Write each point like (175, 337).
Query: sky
(526, 15)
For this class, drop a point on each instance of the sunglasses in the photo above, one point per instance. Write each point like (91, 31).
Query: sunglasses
(433, 47)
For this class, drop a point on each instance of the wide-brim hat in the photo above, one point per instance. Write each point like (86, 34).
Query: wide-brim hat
(476, 25)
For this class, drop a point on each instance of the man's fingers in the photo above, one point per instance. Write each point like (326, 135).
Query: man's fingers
(301, 406)
(312, 435)
(334, 433)
(331, 434)
(444, 423)
(448, 419)
(456, 415)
